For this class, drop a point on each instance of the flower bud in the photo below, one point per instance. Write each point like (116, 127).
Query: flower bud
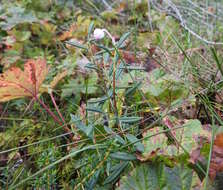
(99, 34)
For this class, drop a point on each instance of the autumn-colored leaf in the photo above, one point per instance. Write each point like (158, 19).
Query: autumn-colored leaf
(156, 145)
(68, 34)
(16, 83)
(186, 138)
(54, 82)
(216, 165)
(189, 136)
(77, 30)
(122, 7)
(57, 78)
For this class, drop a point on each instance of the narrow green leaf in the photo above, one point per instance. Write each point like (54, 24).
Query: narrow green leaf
(108, 50)
(117, 137)
(99, 100)
(92, 182)
(132, 89)
(129, 119)
(102, 99)
(116, 173)
(139, 146)
(132, 68)
(90, 29)
(93, 109)
(219, 65)
(104, 48)
(123, 156)
(122, 39)
(91, 66)
(88, 130)
(76, 44)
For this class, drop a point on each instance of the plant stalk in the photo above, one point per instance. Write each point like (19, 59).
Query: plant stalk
(66, 129)
(56, 107)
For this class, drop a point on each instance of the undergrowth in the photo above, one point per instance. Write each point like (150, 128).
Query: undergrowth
(95, 98)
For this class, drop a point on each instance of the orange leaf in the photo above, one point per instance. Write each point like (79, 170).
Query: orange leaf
(219, 140)
(216, 164)
(16, 83)
(68, 34)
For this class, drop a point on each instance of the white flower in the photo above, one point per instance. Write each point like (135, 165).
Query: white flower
(99, 34)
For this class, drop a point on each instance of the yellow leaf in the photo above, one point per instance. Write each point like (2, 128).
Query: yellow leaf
(16, 83)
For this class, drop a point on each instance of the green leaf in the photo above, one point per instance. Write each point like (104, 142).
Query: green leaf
(104, 48)
(93, 109)
(92, 182)
(76, 44)
(88, 130)
(117, 137)
(144, 177)
(116, 173)
(129, 119)
(189, 135)
(78, 85)
(90, 29)
(122, 39)
(157, 144)
(123, 156)
(157, 176)
(132, 89)
(16, 15)
(132, 68)
(139, 146)
(91, 66)
(219, 64)
(102, 99)
(185, 138)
